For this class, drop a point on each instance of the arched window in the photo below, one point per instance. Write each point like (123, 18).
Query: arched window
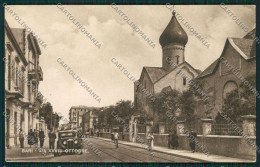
(229, 87)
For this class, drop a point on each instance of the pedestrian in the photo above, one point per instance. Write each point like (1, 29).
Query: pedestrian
(41, 137)
(52, 137)
(35, 133)
(21, 138)
(170, 140)
(30, 138)
(175, 140)
(116, 137)
(150, 138)
(192, 137)
(112, 136)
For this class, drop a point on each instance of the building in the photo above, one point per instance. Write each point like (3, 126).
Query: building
(83, 116)
(219, 79)
(22, 76)
(76, 114)
(155, 79)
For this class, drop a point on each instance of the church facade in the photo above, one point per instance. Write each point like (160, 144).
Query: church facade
(236, 62)
(155, 79)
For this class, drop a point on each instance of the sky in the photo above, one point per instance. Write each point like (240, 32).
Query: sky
(118, 40)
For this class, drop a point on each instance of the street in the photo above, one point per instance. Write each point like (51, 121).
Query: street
(111, 154)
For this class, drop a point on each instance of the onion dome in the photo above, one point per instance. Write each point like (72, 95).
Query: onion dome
(173, 33)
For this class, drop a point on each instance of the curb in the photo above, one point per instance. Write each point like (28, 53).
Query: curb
(177, 155)
(30, 158)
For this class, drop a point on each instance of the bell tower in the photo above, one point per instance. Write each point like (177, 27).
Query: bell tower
(173, 41)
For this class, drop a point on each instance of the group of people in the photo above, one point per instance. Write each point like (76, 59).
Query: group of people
(173, 141)
(33, 137)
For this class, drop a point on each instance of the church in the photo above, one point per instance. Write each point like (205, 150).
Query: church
(219, 78)
(236, 62)
(154, 79)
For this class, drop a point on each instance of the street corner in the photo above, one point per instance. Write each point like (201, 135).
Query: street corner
(27, 154)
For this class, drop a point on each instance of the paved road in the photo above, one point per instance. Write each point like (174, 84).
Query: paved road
(110, 154)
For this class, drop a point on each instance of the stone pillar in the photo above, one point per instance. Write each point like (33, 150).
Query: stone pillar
(249, 126)
(180, 127)
(161, 128)
(148, 128)
(134, 139)
(206, 126)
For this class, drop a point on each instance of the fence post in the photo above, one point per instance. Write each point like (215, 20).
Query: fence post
(249, 125)
(206, 126)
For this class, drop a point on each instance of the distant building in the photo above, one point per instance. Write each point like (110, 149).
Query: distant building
(76, 114)
(83, 117)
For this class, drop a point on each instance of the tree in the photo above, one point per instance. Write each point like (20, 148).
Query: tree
(241, 102)
(187, 106)
(232, 105)
(248, 98)
(51, 119)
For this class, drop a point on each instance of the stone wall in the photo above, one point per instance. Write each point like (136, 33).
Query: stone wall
(231, 146)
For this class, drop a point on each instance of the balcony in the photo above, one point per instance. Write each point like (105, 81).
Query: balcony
(40, 73)
(34, 74)
(14, 93)
(32, 108)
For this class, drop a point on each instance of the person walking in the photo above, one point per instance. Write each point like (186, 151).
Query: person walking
(112, 137)
(150, 138)
(192, 137)
(52, 137)
(175, 140)
(116, 137)
(41, 137)
(21, 138)
(31, 138)
(170, 140)
(35, 133)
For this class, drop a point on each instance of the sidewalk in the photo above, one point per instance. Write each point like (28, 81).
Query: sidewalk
(201, 157)
(27, 153)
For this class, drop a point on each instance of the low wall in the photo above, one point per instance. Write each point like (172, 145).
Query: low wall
(231, 146)
(107, 135)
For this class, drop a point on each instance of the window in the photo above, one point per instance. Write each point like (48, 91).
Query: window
(13, 71)
(9, 72)
(184, 81)
(29, 92)
(177, 59)
(22, 83)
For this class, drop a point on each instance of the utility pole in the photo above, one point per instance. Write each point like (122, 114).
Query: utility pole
(51, 121)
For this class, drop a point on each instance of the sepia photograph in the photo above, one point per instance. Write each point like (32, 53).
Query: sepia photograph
(130, 83)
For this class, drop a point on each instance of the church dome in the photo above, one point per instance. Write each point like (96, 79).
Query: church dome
(173, 33)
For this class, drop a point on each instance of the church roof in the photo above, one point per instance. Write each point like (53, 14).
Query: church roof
(155, 73)
(173, 33)
(251, 34)
(244, 46)
(247, 46)
(209, 69)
